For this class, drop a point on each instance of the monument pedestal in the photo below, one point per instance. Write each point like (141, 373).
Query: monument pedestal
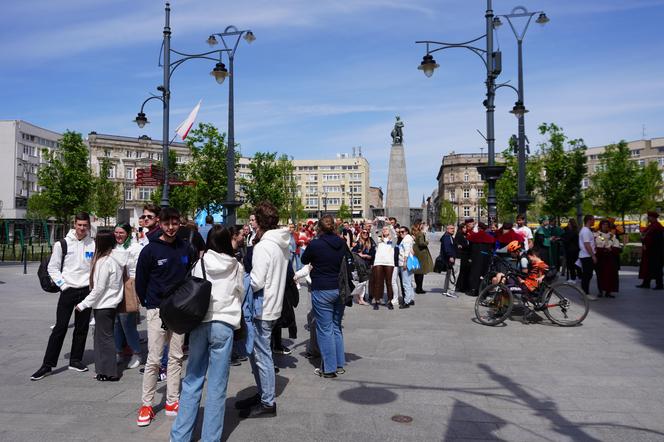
(397, 202)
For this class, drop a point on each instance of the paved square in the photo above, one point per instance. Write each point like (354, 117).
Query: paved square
(458, 380)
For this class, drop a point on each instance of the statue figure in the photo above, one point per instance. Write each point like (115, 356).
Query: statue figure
(397, 132)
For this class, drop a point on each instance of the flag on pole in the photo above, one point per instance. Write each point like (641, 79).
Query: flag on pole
(184, 127)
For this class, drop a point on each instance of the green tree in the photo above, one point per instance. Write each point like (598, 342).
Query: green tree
(620, 186)
(344, 212)
(107, 195)
(564, 170)
(66, 178)
(447, 214)
(507, 185)
(650, 196)
(271, 180)
(39, 207)
(208, 167)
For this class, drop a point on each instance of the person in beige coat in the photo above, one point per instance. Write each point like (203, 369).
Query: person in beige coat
(421, 251)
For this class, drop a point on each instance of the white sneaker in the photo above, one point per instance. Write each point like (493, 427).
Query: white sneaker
(134, 362)
(592, 298)
(451, 295)
(92, 322)
(52, 327)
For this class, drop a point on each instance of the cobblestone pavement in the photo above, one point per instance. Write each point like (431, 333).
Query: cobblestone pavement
(456, 379)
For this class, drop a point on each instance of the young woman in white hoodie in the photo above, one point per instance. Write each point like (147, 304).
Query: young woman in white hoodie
(211, 343)
(106, 291)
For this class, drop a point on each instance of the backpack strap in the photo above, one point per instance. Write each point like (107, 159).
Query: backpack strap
(203, 266)
(63, 246)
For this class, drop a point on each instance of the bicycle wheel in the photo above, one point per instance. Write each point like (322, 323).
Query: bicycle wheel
(565, 304)
(494, 304)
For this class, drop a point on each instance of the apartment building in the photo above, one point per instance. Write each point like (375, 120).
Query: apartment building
(21, 145)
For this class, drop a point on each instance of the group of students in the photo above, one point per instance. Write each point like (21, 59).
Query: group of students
(101, 275)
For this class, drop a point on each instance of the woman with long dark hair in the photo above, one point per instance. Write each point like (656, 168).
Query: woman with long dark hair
(106, 291)
(571, 246)
(211, 343)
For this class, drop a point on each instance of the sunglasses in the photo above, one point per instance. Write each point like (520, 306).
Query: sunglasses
(146, 217)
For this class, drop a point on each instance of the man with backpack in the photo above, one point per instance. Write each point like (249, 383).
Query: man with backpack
(162, 264)
(71, 274)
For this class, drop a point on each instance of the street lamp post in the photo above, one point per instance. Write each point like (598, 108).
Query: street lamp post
(522, 198)
(492, 62)
(165, 98)
(325, 202)
(231, 32)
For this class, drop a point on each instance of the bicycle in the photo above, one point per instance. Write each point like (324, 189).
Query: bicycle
(563, 304)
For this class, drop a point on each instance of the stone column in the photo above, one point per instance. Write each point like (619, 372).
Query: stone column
(397, 200)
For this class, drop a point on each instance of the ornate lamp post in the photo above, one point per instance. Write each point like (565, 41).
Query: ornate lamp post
(219, 72)
(492, 62)
(522, 198)
(234, 35)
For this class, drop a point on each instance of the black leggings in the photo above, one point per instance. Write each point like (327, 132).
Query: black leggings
(419, 280)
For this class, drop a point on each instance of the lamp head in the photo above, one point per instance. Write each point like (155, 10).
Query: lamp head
(519, 110)
(428, 65)
(219, 72)
(542, 19)
(497, 23)
(141, 120)
(249, 37)
(212, 40)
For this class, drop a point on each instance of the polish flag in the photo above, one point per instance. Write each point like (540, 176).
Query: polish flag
(184, 127)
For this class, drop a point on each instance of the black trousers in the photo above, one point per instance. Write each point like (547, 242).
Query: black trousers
(66, 303)
(419, 280)
(587, 267)
(572, 269)
(105, 362)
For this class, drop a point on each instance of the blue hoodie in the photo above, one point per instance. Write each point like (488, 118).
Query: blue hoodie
(325, 253)
(160, 266)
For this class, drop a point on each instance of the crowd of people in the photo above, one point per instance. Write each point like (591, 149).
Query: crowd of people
(255, 271)
(594, 249)
(255, 287)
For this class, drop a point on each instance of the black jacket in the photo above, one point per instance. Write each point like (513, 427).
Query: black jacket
(325, 253)
(160, 266)
(448, 247)
(462, 245)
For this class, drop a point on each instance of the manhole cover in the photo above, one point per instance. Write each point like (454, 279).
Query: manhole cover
(402, 419)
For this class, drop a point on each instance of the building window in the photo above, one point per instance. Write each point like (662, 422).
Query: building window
(466, 211)
(129, 194)
(312, 202)
(480, 192)
(451, 178)
(452, 195)
(355, 189)
(332, 201)
(585, 183)
(111, 172)
(635, 153)
(466, 193)
(144, 193)
(129, 173)
(641, 162)
(660, 161)
(107, 153)
(331, 177)
(357, 201)
(466, 177)
(312, 177)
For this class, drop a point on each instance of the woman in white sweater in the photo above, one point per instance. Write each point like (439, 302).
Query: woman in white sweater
(211, 343)
(106, 291)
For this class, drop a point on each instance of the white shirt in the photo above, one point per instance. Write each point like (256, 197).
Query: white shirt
(76, 270)
(527, 234)
(405, 249)
(268, 271)
(586, 235)
(108, 289)
(384, 252)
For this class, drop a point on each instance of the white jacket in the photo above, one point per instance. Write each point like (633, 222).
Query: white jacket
(405, 249)
(128, 257)
(76, 270)
(384, 252)
(268, 271)
(226, 276)
(108, 289)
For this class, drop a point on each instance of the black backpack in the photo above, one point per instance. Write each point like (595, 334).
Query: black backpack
(45, 280)
(186, 304)
(345, 279)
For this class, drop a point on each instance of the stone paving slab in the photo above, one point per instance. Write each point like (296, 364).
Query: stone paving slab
(458, 380)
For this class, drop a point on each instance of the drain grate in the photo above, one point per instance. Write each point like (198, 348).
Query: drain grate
(402, 419)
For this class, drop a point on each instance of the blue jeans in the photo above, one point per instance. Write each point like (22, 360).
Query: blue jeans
(329, 310)
(408, 293)
(125, 327)
(210, 346)
(261, 361)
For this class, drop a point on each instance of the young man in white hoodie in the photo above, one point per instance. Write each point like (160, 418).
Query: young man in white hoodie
(73, 280)
(268, 272)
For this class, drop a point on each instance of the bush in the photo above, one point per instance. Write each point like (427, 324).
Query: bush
(634, 237)
(631, 256)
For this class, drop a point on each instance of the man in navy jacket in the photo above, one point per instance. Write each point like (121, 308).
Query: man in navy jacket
(163, 262)
(448, 251)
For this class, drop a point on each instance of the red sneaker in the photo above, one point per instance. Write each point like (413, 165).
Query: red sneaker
(172, 409)
(145, 416)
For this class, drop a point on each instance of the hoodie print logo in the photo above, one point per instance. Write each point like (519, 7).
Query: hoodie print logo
(161, 262)
(184, 259)
(89, 255)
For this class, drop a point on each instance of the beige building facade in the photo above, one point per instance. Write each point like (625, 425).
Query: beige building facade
(324, 185)
(126, 155)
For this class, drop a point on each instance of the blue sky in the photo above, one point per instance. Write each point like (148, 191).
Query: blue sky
(324, 76)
